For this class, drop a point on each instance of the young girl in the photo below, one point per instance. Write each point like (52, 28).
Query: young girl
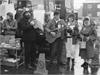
(72, 47)
(88, 35)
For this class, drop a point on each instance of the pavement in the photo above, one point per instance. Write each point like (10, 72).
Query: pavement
(52, 70)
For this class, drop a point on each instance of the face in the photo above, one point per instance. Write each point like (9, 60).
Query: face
(57, 17)
(8, 17)
(70, 19)
(28, 15)
(86, 23)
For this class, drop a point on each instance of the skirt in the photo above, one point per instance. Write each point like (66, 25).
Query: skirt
(72, 51)
(88, 52)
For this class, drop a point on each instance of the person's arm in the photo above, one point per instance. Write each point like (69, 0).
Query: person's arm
(14, 27)
(93, 35)
(47, 28)
(25, 26)
(4, 25)
(64, 23)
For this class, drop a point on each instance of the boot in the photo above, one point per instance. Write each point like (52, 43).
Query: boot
(68, 64)
(85, 66)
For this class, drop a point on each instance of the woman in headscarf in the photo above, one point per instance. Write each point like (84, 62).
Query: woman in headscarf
(88, 35)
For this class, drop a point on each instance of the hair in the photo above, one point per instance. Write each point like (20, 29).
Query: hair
(24, 14)
(56, 13)
(1, 18)
(71, 16)
(10, 15)
(85, 19)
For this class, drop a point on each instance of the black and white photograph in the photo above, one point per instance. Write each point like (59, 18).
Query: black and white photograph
(49, 37)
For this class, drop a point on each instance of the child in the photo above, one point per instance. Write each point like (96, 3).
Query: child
(72, 47)
(88, 35)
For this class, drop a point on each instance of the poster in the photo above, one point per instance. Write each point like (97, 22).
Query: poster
(2, 10)
(39, 15)
(5, 8)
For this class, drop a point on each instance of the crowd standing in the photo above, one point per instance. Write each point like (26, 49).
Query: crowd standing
(64, 49)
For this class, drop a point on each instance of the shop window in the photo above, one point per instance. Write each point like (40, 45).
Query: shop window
(89, 6)
(98, 6)
(89, 14)
(98, 13)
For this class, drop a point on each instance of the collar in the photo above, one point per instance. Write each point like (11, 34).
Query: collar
(57, 20)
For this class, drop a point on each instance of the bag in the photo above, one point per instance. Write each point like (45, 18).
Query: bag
(83, 44)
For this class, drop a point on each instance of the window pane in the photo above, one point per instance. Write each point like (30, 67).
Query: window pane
(98, 6)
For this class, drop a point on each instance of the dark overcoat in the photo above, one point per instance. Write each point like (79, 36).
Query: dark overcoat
(29, 32)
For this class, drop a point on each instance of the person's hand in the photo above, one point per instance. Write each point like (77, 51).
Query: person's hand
(53, 33)
(88, 38)
(82, 36)
(8, 27)
(32, 23)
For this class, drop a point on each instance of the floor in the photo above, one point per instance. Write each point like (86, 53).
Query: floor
(52, 70)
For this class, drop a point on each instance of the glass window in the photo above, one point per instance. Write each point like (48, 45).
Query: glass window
(98, 6)
(98, 13)
(89, 14)
(89, 6)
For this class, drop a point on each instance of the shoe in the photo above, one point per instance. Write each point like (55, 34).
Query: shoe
(85, 65)
(28, 67)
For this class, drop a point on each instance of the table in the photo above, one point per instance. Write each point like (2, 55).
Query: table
(16, 55)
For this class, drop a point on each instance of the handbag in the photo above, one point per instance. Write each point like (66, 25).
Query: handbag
(83, 44)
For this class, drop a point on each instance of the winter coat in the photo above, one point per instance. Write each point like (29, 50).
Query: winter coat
(74, 34)
(91, 33)
(29, 32)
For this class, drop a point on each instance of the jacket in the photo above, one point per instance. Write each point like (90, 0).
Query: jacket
(74, 33)
(9, 27)
(29, 32)
(52, 25)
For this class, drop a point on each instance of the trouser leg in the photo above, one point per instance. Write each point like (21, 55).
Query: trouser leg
(53, 50)
(59, 51)
(72, 64)
(68, 63)
(33, 53)
(27, 53)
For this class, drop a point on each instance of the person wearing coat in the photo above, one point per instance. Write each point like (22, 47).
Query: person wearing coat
(88, 35)
(27, 25)
(9, 30)
(57, 45)
(71, 43)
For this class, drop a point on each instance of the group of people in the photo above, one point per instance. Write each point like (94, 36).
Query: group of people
(74, 42)
(65, 48)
